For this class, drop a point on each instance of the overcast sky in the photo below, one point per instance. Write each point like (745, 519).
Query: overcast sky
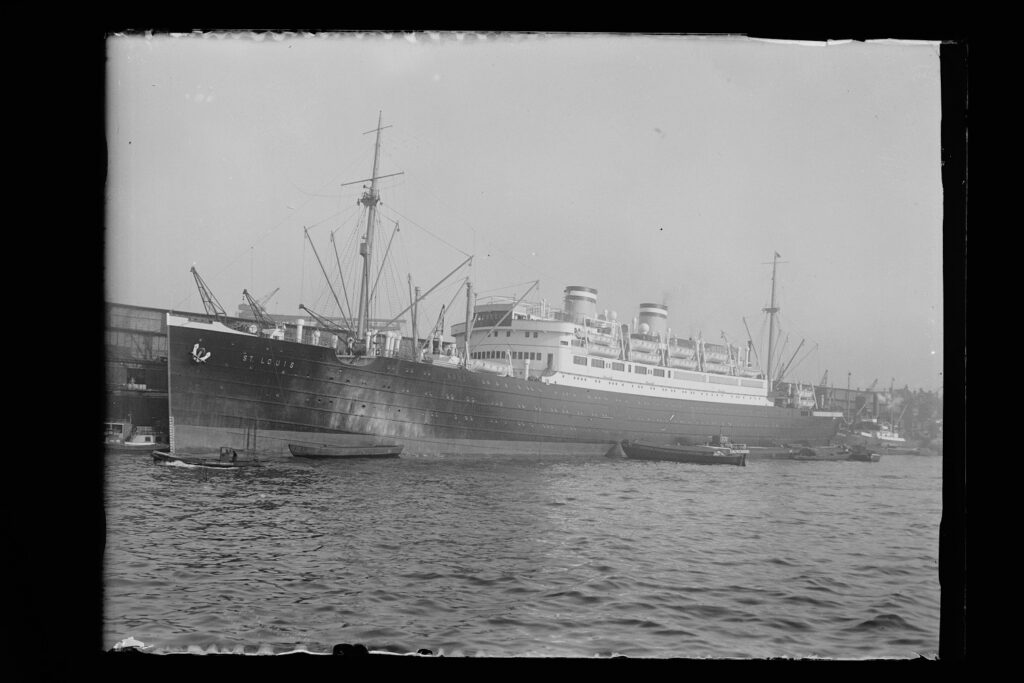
(654, 169)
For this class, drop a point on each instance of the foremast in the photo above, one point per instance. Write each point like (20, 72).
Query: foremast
(370, 199)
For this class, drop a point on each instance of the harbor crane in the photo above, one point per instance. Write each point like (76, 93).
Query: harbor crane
(861, 410)
(265, 300)
(826, 392)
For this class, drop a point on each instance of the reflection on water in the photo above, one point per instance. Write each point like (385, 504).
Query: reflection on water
(528, 557)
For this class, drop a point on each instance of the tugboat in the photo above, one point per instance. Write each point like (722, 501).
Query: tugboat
(879, 436)
(122, 437)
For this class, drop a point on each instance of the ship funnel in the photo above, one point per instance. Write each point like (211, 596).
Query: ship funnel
(655, 316)
(581, 302)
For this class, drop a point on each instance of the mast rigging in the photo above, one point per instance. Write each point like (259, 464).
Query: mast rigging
(324, 271)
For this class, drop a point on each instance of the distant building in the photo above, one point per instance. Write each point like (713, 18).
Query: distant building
(136, 366)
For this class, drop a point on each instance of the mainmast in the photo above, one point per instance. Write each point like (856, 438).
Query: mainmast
(771, 311)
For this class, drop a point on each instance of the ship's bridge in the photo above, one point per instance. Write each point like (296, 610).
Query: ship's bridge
(522, 339)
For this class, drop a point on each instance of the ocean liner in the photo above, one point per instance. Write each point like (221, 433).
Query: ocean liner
(519, 378)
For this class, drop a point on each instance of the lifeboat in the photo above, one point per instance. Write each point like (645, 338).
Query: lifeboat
(644, 357)
(603, 351)
(685, 363)
(716, 353)
(749, 372)
(601, 338)
(717, 368)
(641, 344)
(489, 366)
(681, 348)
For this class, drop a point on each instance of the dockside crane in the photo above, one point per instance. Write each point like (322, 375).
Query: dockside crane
(861, 410)
(210, 302)
(265, 300)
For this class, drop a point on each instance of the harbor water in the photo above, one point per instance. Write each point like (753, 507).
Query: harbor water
(527, 557)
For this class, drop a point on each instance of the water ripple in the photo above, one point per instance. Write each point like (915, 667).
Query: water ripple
(527, 557)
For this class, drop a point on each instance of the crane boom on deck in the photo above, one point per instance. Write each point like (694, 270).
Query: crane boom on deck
(210, 302)
(263, 319)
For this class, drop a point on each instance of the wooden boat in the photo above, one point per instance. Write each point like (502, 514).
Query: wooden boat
(702, 455)
(862, 454)
(772, 452)
(365, 450)
(899, 450)
(227, 460)
(839, 452)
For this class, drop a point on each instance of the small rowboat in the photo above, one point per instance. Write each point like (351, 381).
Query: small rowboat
(368, 450)
(227, 461)
(701, 455)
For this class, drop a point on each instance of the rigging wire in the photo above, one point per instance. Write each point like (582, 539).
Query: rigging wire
(260, 238)
(438, 238)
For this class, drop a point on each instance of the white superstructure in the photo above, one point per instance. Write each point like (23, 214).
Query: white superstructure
(581, 348)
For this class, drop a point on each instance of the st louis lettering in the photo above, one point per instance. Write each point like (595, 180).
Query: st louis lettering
(268, 361)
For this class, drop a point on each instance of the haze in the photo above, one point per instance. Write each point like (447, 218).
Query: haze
(662, 169)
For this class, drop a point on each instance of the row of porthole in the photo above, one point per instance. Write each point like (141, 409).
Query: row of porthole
(469, 418)
(471, 399)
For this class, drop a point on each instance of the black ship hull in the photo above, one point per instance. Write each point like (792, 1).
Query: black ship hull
(260, 395)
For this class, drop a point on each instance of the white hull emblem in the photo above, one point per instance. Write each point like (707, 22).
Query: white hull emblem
(199, 354)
